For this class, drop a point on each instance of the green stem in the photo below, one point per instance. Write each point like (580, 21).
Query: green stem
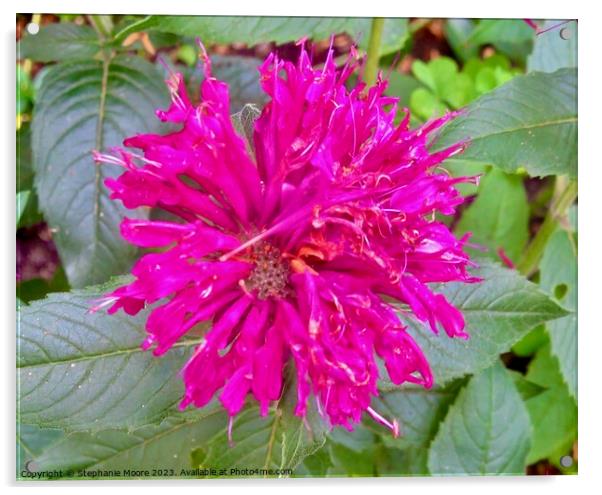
(373, 56)
(135, 27)
(564, 196)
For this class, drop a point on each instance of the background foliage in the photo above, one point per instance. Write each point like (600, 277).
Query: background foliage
(505, 400)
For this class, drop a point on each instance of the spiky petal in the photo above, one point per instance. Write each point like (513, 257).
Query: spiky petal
(306, 252)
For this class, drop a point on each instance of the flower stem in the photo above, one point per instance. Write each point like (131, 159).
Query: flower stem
(373, 55)
(564, 195)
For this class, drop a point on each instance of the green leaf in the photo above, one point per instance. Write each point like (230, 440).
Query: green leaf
(527, 389)
(254, 30)
(489, 73)
(460, 168)
(244, 123)
(84, 106)
(486, 80)
(441, 76)
(418, 411)
(242, 77)
(129, 24)
(187, 54)
(554, 49)
(558, 275)
(435, 74)
(316, 464)
(349, 453)
(347, 462)
(447, 88)
(459, 92)
(279, 441)
(31, 214)
(78, 370)
(58, 42)
(425, 104)
(240, 73)
(457, 33)
(475, 65)
(423, 73)
(530, 343)
(511, 36)
(553, 412)
(529, 122)
(411, 461)
(22, 199)
(32, 442)
(401, 86)
(498, 312)
(362, 437)
(134, 25)
(24, 165)
(33, 289)
(572, 217)
(167, 445)
(345, 453)
(39, 288)
(102, 23)
(25, 91)
(501, 30)
(499, 217)
(486, 431)
(191, 441)
(371, 450)
(394, 36)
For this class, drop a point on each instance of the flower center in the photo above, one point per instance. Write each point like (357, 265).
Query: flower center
(270, 274)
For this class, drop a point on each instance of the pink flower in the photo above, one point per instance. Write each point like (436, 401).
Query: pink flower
(305, 252)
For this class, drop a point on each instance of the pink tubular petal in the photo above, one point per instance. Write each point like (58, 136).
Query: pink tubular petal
(403, 358)
(300, 254)
(393, 426)
(451, 319)
(235, 391)
(296, 335)
(504, 257)
(267, 370)
(432, 307)
(180, 106)
(146, 233)
(203, 376)
(219, 335)
(168, 323)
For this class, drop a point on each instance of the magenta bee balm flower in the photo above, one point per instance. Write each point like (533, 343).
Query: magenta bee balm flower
(304, 252)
